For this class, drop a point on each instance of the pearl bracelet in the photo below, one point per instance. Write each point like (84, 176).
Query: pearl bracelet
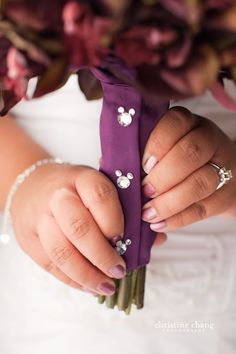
(4, 236)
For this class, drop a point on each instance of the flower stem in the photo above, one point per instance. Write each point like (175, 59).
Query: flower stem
(111, 300)
(140, 287)
(133, 290)
(129, 290)
(124, 291)
(101, 299)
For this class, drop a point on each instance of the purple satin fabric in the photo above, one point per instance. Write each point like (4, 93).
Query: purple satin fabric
(122, 149)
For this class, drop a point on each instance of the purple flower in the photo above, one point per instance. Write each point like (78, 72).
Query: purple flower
(18, 73)
(177, 47)
(39, 15)
(84, 33)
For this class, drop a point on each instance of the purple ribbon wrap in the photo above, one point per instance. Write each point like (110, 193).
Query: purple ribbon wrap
(122, 149)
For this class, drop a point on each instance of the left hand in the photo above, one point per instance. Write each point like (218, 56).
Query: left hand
(180, 182)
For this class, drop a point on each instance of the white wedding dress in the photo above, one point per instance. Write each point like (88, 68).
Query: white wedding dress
(190, 305)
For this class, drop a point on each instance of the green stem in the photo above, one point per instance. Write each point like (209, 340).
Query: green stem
(101, 299)
(124, 292)
(129, 290)
(133, 290)
(140, 287)
(111, 300)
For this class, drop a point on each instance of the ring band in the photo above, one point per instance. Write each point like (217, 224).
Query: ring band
(224, 175)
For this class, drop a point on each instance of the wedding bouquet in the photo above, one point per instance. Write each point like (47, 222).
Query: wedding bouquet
(137, 54)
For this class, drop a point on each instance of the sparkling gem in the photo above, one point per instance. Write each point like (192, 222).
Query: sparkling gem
(123, 182)
(130, 175)
(118, 173)
(121, 247)
(121, 110)
(132, 111)
(124, 119)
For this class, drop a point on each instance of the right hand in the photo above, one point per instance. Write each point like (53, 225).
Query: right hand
(64, 218)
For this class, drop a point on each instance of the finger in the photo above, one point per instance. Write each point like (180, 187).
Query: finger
(35, 250)
(160, 239)
(67, 258)
(100, 196)
(215, 204)
(78, 225)
(201, 184)
(189, 154)
(176, 123)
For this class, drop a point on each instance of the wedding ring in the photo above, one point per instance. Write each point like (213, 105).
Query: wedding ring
(224, 175)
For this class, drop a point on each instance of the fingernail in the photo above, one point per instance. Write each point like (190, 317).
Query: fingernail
(149, 164)
(115, 239)
(149, 213)
(107, 288)
(117, 271)
(148, 190)
(158, 226)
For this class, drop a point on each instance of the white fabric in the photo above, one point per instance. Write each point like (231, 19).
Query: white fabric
(191, 280)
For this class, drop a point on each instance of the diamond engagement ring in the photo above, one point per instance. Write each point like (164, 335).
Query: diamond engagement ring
(224, 175)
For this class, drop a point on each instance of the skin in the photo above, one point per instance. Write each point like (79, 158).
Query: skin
(62, 214)
(183, 183)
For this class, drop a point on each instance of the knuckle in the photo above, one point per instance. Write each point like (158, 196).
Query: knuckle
(156, 141)
(179, 220)
(200, 186)
(190, 151)
(57, 198)
(180, 117)
(79, 227)
(61, 254)
(102, 192)
(164, 208)
(59, 194)
(104, 262)
(199, 210)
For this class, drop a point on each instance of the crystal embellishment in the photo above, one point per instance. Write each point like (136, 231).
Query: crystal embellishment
(125, 118)
(225, 176)
(123, 181)
(121, 246)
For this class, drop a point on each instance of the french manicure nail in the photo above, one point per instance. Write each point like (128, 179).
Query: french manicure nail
(107, 288)
(117, 271)
(150, 163)
(158, 226)
(149, 213)
(148, 190)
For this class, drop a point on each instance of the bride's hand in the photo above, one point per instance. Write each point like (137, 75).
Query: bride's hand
(180, 182)
(65, 218)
